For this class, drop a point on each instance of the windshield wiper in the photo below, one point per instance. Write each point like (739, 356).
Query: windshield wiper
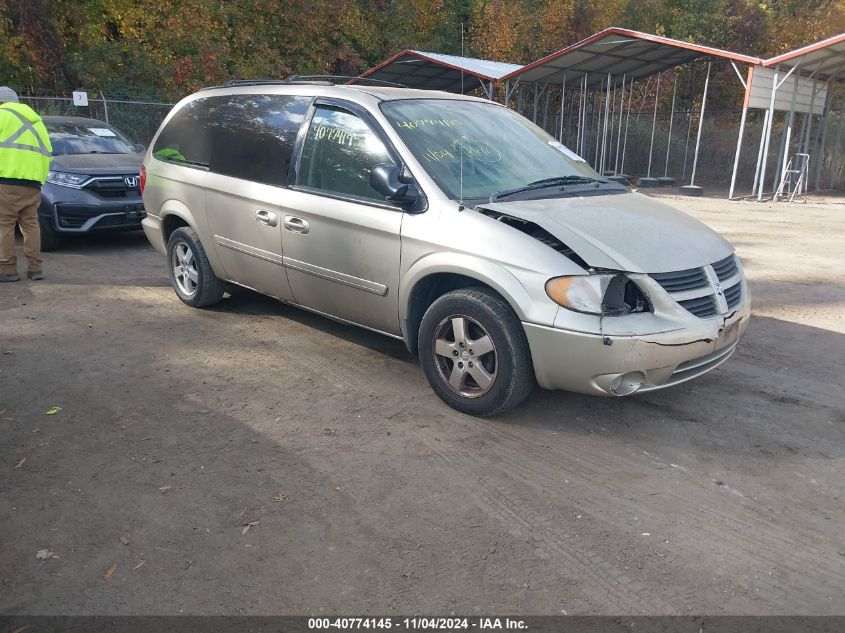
(543, 184)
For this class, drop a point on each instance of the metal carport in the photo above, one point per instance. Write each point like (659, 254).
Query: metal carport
(802, 81)
(435, 71)
(614, 59)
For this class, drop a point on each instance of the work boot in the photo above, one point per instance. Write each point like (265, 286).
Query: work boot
(35, 276)
(10, 277)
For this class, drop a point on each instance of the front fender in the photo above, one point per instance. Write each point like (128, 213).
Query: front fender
(526, 294)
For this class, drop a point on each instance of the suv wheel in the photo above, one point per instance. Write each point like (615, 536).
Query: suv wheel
(50, 239)
(190, 272)
(474, 352)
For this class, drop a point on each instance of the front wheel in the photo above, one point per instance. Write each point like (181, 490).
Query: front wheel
(190, 272)
(50, 239)
(474, 352)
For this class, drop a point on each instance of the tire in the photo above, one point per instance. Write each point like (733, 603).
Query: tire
(476, 381)
(190, 272)
(50, 239)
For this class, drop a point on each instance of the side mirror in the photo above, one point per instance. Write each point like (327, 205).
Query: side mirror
(386, 179)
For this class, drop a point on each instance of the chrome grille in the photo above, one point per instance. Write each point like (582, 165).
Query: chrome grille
(726, 268)
(681, 280)
(701, 306)
(112, 187)
(695, 288)
(733, 295)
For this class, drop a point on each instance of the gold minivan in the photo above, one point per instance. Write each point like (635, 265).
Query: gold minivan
(453, 223)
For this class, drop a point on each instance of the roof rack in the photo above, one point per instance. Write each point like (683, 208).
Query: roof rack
(322, 80)
(335, 79)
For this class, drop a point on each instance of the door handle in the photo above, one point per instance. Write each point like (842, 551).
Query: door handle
(265, 216)
(296, 225)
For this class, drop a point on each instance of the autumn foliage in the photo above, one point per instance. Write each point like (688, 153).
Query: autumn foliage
(167, 48)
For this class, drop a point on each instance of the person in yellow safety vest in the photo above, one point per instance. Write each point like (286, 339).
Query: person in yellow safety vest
(25, 155)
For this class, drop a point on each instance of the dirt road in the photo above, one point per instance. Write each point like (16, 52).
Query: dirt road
(255, 459)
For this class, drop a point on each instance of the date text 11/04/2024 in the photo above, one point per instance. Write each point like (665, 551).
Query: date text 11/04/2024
(418, 623)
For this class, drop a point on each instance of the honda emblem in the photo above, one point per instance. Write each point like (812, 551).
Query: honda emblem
(131, 181)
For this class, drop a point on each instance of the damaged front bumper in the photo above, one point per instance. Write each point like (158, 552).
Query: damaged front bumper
(617, 365)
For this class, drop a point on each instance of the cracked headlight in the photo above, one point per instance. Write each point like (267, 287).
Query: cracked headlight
(67, 180)
(606, 294)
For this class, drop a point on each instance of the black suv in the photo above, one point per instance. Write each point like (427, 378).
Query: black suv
(93, 184)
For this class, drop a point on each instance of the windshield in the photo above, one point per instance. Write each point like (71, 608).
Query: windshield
(499, 149)
(76, 138)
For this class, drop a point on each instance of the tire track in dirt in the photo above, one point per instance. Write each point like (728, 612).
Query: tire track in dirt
(507, 504)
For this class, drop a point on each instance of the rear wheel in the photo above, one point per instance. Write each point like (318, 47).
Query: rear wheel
(190, 271)
(474, 352)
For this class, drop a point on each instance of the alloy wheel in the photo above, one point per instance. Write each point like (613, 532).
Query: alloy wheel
(184, 268)
(465, 356)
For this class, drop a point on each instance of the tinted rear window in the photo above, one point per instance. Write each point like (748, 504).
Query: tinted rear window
(187, 137)
(243, 136)
(255, 138)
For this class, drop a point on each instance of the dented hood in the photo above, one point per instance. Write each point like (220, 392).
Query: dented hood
(628, 231)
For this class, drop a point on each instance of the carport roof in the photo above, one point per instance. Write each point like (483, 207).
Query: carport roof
(822, 59)
(619, 51)
(435, 71)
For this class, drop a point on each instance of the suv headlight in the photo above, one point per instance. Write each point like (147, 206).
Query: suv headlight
(67, 180)
(611, 294)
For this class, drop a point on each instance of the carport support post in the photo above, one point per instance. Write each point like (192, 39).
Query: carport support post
(627, 121)
(653, 125)
(809, 129)
(585, 95)
(612, 128)
(671, 119)
(700, 126)
(604, 129)
(835, 161)
(827, 101)
(810, 115)
(760, 153)
(741, 132)
(546, 108)
(767, 134)
(619, 136)
(536, 96)
(686, 146)
(783, 155)
(562, 105)
(746, 85)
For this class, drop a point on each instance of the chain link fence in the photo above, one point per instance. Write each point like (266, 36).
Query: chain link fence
(138, 119)
(628, 152)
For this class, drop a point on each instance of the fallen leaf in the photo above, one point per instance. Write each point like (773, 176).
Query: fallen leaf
(22, 629)
(247, 526)
(139, 565)
(44, 554)
(52, 411)
(279, 497)
(20, 463)
(164, 489)
(111, 570)
(124, 540)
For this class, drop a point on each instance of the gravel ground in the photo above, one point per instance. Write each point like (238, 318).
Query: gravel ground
(256, 459)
